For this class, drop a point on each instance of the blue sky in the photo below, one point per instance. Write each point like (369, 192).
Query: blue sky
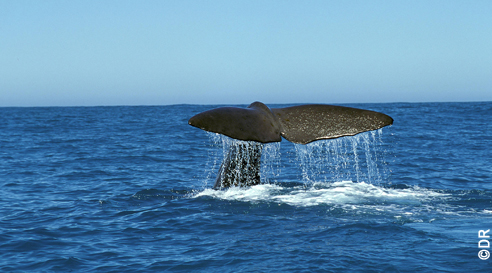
(63, 53)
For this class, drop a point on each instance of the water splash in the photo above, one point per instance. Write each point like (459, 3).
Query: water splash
(212, 164)
(270, 158)
(349, 199)
(241, 165)
(270, 162)
(356, 158)
(336, 193)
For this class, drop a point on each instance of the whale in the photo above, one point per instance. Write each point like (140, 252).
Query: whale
(258, 124)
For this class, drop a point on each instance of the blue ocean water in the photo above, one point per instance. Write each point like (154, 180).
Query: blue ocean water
(128, 189)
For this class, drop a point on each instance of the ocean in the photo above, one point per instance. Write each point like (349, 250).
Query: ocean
(129, 189)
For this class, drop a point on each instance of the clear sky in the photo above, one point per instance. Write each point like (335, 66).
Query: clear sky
(58, 53)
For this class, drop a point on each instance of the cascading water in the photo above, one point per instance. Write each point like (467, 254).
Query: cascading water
(357, 158)
(270, 162)
(242, 161)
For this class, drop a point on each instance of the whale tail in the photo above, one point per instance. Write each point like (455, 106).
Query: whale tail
(298, 124)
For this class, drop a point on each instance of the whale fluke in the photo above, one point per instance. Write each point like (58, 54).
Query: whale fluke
(259, 124)
(307, 123)
(255, 123)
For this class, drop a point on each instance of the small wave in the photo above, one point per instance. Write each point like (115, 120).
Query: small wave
(336, 193)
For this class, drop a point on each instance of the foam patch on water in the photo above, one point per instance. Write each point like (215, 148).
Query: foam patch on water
(337, 193)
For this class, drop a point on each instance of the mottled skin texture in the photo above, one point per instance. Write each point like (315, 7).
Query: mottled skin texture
(258, 124)
(307, 123)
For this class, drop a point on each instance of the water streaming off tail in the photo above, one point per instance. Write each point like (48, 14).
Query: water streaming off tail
(357, 158)
(270, 158)
(270, 162)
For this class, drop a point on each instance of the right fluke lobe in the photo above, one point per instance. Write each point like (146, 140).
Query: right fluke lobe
(307, 123)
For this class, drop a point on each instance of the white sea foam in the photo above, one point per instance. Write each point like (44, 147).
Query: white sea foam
(337, 193)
